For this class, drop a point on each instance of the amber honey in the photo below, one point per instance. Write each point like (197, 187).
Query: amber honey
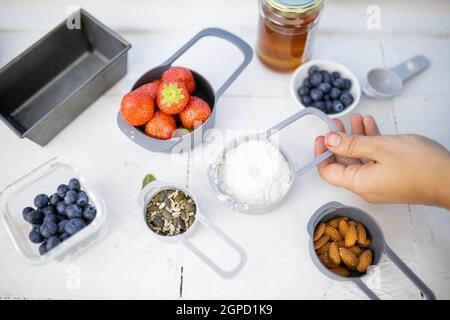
(286, 33)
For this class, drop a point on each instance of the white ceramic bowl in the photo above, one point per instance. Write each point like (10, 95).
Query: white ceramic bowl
(302, 72)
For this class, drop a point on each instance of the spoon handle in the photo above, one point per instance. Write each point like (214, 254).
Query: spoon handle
(411, 67)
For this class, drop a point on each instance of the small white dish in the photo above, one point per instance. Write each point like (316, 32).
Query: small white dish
(302, 72)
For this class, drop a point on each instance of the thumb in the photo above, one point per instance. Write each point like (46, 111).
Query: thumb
(353, 146)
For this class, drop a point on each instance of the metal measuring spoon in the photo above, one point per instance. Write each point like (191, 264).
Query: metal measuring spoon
(386, 83)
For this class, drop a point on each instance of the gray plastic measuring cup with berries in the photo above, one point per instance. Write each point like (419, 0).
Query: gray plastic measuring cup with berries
(152, 189)
(203, 90)
(230, 201)
(378, 246)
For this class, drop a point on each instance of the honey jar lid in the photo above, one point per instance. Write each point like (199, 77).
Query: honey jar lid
(293, 8)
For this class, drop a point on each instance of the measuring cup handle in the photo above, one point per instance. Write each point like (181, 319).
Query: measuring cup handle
(224, 273)
(216, 32)
(411, 67)
(429, 295)
(296, 116)
(364, 288)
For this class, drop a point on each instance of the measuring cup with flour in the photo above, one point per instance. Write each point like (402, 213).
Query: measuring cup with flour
(254, 175)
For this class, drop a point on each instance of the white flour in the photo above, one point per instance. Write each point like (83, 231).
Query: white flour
(255, 172)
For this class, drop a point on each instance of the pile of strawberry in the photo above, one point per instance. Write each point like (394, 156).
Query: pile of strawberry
(160, 104)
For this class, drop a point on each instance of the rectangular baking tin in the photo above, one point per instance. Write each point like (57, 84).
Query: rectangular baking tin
(52, 82)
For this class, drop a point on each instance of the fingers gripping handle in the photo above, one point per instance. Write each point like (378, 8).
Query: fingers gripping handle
(216, 32)
(207, 260)
(295, 117)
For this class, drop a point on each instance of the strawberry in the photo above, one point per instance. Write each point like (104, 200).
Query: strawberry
(196, 112)
(149, 89)
(161, 126)
(136, 109)
(180, 74)
(172, 97)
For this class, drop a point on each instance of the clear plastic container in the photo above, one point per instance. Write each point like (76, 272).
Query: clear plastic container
(45, 179)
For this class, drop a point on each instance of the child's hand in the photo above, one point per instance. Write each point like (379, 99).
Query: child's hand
(386, 169)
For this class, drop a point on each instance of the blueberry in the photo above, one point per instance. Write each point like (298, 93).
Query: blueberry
(316, 79)
(325, 87)
(49, 229)
(48, 210)
(61, 217)
(328, 106)
(346, 98)
(335, 93)
(41, 200)
(51, 217)
(52, 242)
(35, 217)
(316, 94)
(74, 184)
(307, 83)
(54, 199)
(306, 100)
(74, 225)
(326, 97)
(61, 225)
(337, 106)
(62, 190)
(25, 213)
(64, 236)
(348, 84)
(319, 105)
(313, 69)
(335, 75)
(35, 236)
(302, 91)
(339, 83)
(74, 211)
(43, 248)
(89, 213)
(82, 199)
(326, 76)
(71, 197)
(61, 207)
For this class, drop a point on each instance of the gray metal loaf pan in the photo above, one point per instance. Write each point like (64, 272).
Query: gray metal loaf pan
(52, 82)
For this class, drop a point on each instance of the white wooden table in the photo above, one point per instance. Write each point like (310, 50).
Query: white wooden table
(128, 263)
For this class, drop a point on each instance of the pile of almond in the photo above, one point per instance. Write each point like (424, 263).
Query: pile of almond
(342, 246)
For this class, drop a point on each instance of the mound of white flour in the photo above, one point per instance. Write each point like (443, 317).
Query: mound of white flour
(255, 172)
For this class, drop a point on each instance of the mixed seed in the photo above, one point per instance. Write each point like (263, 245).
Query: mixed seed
(170, 212)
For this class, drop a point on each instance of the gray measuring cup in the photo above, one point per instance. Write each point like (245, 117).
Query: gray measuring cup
(378, 246)
(156, 186)
(387, 83)
(203, 90)
(214, 168)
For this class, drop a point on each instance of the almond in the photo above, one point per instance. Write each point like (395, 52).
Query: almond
(324, 249)
(341, 243)
(356, 250)
(348, 257)
(343, 226)
(365, 260)
(334, 233)
(350, 236)
(333, 253)
(341, 271)
(365, 244)
(362, 234)
(321, 242)
(335, 221)
(325, 259)
(320, 229)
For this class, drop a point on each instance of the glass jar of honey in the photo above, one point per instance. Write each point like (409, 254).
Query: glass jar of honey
(286, 31)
